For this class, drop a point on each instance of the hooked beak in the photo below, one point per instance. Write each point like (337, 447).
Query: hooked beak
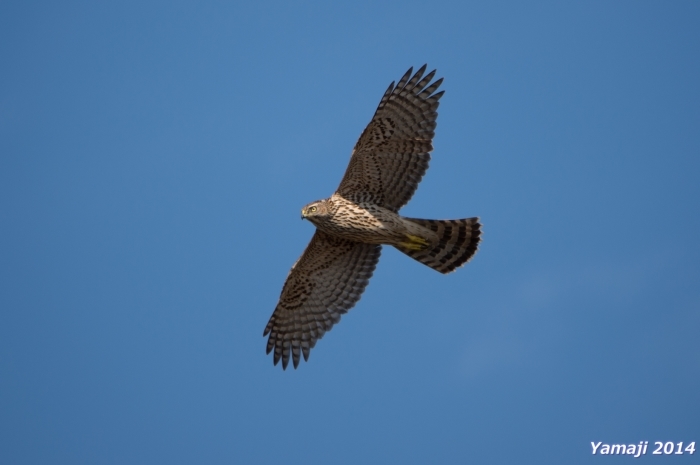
(303, 215)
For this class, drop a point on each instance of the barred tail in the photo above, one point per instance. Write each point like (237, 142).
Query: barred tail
(458, 243)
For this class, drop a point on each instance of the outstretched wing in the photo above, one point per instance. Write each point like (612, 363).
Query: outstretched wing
(393, 152)
(326, 282)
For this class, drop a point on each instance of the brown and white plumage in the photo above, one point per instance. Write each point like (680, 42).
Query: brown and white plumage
(387, 163)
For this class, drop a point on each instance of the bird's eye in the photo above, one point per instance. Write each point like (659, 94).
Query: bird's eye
(312, 209)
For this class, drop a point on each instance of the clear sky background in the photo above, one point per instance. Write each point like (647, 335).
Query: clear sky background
(154, 157)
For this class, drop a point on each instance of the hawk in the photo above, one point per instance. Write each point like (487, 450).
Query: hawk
(386, 165)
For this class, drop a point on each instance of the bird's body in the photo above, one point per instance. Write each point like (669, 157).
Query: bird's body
(388, 162)
(364, 222)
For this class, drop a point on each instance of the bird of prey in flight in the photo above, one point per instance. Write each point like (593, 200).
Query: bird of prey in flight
(386, 165)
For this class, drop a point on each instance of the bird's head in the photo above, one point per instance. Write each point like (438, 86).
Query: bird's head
(316, 212)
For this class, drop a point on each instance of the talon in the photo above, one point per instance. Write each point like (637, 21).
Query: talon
(415, 243)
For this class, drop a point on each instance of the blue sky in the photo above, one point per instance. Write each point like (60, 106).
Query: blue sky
(154, 157)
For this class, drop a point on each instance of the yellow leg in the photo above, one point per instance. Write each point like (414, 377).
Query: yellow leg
(415, 243)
